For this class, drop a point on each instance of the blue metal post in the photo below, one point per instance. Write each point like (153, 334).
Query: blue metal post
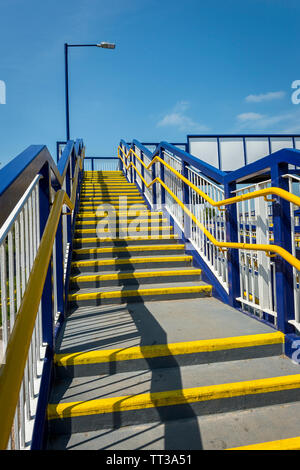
(46, 301)
(143, 172)
(59, 268)
(133, 169)
(282, 237)
(186, 201)
(162, 177)
(154, 200)
(68, 191)
(67, 93)
(233, 255)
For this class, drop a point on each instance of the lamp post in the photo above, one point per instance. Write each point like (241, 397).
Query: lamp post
(103, 45)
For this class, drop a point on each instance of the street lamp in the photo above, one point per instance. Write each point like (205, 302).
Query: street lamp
(103, 45)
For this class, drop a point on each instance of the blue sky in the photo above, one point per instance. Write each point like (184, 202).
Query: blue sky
(179, 67)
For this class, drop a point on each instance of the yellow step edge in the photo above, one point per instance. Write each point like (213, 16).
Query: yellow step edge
(115, 203)
(93, 200)
(109, 239)
(137, 229)
(172, 397)
(137, 292)
(108, 262)
(137, 275)
(115, 198)
(114, 249)
(128, 213)
(120, 221)
(283, 444)
(159, 350)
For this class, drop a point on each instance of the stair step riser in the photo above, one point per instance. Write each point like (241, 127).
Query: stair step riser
(172, 360)
(124, 416)
(134, 282)
(126, 254)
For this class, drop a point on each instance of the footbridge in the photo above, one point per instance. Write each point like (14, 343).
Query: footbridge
(151, 300)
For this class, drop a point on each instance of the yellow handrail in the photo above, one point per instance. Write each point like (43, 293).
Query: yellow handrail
(225, 202)
(12, 371)
(241, 246)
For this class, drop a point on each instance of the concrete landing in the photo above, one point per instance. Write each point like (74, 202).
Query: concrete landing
(140, 324)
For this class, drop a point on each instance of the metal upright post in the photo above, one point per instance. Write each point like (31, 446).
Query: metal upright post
(67, 93)
(186, 201)
(233, 255)
(282, 237)
(46, 301)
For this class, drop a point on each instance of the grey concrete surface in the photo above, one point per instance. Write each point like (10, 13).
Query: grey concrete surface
(122, 326)
(215, 432)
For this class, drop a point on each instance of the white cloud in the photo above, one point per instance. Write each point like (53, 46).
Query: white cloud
(177, 117)
(249, 116)
(270, 96)
(255, 121)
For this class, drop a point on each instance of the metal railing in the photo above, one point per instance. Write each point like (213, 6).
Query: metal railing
(35, 250)
(244, 234)
(101, 164)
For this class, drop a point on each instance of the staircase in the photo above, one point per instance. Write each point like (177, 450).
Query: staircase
(147, 358)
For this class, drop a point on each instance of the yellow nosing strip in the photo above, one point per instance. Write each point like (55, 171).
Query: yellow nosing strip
(120, 221)
(152, 259)
(136, 229)
(172, 349)
(138, 275)
(109, 239)
(107, 199)
(133, 212)
(137, 292)
(172, 397)
(282, 444)
(114, 249)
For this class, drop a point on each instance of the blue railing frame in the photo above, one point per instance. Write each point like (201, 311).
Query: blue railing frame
(98, 158)
(243, 137)
(15, 177)
(275, 166)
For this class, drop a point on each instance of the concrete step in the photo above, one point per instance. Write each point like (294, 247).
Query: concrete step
(127, 251)
(107, 199)
(127, 231)
(123, 327)
(125, 241)
(128, 293)
(88, 404)
(135, 278)
(127, 264)
(112, 206)
(124, 222)
(119, 215)
(157, 356)
(213, 432)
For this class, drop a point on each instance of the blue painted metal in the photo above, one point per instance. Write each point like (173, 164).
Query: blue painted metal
(232, 228)
(39, 436)
(259, 169)
(162, 177)
(282, 237)
(186, 201)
